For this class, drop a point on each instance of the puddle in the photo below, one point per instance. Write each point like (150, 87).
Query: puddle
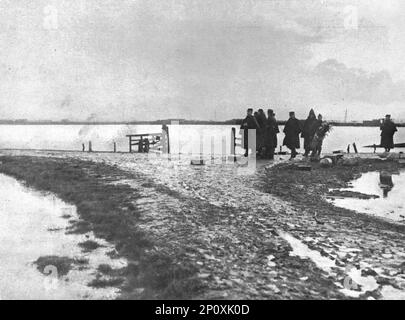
(301, 250)
(391, 293)
(367, 284)
(32, 225)
(363, 284)
(388, 187)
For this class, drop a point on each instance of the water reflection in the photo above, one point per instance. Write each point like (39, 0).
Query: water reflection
(386, 183)
(387, 186)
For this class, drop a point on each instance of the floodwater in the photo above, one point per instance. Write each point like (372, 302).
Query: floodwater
(327, 265)
(33, 225)
(390, 191)
(183, 138)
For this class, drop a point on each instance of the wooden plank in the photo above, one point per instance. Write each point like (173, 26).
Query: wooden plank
(397, 145)
(144, 135)
(198, 162)
(135, 143)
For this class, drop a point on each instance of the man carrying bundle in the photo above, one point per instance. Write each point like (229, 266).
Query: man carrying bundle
(308, 132)
(321, 131)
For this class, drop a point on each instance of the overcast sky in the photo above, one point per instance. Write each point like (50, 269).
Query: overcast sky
(200, 59)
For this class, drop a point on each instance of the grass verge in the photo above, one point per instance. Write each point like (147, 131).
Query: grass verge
(109, 211)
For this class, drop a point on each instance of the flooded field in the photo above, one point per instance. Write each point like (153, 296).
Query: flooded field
(183, 138)
(389, 191)
(39, 260)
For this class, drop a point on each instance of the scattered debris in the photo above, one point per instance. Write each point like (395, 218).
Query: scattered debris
(198, 162)
(326, 162)
(62, 265)
(351, 162)
(304, 167)
(89, 245)
(316, 219)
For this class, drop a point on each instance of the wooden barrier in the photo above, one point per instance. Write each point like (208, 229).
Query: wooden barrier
(235, 142)
(355, 148)
(150, 142)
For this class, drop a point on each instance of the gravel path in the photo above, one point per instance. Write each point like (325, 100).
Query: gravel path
(251, 244)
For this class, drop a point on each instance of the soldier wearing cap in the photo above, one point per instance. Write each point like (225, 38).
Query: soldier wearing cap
(292, 132)
(270, 136)
(248, 123)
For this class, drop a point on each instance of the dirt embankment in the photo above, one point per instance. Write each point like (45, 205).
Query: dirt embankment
(182, 246)
(369, 244)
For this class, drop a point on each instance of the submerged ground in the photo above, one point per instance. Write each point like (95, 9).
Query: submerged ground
(213, 232)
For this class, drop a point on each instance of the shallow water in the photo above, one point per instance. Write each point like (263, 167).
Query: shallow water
(391, 201)
(301, 250)
(32, 226)
(354, 283)
(183, 138)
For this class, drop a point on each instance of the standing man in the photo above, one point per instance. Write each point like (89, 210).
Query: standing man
(388, 129)
(262, 118)
(270, 137)
(249, 122)
(260, 139)
(308, 132)
(292, 132)
(322, 128)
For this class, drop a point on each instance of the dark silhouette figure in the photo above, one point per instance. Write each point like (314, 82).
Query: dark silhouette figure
(261, 120)
(308, 131)
(270, 135)
(386, 183)
(292, 132)
(388, 129)
(249, 122)
(319, 134)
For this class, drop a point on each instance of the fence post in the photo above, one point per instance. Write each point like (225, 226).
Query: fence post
(165, 130)
(140, 145)
(212, 150)
(355, 148)
(90, 147)
(201, 146)
(223, 148)
(83, 147)
(233, 144)
(168, 140)
(115, 147)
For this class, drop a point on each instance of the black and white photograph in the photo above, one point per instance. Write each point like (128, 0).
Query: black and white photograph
(202, 150)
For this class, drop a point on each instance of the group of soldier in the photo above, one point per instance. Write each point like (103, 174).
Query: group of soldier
(313, 130)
